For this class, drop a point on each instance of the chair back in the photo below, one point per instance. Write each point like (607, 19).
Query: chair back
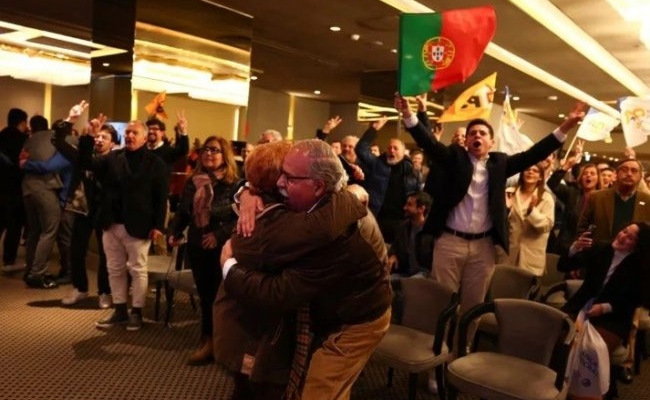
(551, 275)
(510, 282)
(528, 329)
(424, 301)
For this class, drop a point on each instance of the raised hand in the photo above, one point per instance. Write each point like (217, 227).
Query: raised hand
(380, 123)
(331, 124)
(421, 99)
(95, 125)
(402, 106)
(574, 117)
(76, 111)
(181, 125)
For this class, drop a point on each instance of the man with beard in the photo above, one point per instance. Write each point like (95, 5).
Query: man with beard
(347, 155)
(609, 211)
(390, 178)
(162, 148)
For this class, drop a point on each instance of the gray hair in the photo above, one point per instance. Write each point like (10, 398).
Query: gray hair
(353, 138)
(324, 164)
(277, 136)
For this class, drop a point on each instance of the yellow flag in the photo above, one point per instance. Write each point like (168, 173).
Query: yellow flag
(475, 102)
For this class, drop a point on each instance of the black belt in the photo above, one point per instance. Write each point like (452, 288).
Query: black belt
(468, 236)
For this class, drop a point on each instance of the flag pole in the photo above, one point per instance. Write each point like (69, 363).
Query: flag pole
(566, 155)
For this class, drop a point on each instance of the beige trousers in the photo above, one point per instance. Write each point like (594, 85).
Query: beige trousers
(126, 254)
(336, 365)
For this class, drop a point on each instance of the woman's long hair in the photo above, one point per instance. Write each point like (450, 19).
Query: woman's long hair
(582, 171)
(540, 187)
(229, 166)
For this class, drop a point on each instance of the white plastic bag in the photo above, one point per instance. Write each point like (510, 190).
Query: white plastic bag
(588, 364)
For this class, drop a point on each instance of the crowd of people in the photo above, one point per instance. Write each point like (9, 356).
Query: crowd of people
(294, 246)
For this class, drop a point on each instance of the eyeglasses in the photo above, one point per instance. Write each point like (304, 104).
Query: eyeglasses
(211, 150)
(292, 179)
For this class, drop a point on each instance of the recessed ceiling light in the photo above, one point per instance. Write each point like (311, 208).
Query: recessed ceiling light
(253, 77)
(316, 91)
(561, 115)
(393, 50)
(355, 36)
(552, 98)
(616, 159)
(515, 98)
(106, 64)
(378, 43)
(594, 154)
(335, 28)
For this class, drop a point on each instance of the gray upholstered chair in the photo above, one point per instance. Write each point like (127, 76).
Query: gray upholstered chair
(533, 345)
(507, 282)
(179, 279)
(559, 293)
(418, 341)
(551, 274)
(157, 268)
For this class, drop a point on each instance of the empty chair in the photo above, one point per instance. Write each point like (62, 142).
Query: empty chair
(558, 294)
(552, 275)
(418, 342)
(507, 282)
(179, 279)
(532, 349)
(157, 269)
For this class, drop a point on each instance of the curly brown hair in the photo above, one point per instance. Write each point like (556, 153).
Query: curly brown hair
(229, 166)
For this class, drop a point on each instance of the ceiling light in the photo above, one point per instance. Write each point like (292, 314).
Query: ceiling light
(316, 92)
(43, 69)
(561, 115)
(355, 37)
(106, 64)
(552, 98)
(378, 43)
(393, 50)
(253, 77)
(558, 23)
(335, 28)
(515, 98)
(508, 58)
(631, 10)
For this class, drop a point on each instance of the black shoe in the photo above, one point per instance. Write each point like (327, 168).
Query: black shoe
(114, 319)
(625, 375)
(63, 280)
(40, 282)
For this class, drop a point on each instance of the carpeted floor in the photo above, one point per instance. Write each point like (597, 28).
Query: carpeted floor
(52, 352)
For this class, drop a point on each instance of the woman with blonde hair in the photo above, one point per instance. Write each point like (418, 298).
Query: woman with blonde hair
(206, 208)
(530, 221)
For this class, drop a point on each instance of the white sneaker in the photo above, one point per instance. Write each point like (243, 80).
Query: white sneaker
(105, 301)
(432, 385)
(10, 268)
(74, 297)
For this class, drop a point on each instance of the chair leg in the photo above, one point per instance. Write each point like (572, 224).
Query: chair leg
(389, 377)
(452, 393)
(440, 380)
(169, 297)
(413, 385)
(637, 351)
(156, 313)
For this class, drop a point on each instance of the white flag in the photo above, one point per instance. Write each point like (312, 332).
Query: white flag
(596, 126)
(635, 119)
(508, 138)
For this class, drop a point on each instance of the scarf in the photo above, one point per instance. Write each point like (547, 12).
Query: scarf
(202, 199)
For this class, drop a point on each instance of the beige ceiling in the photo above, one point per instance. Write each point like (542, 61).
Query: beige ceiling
(295, 51)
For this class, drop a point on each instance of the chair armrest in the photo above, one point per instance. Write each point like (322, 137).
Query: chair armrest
(563, 353)
(467, 318)
(558, 287)
(443, 322)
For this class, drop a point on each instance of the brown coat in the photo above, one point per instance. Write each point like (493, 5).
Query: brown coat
(600, 212)
(261, 343)
(345, 281)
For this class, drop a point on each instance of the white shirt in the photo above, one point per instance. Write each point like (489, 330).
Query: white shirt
(471, 215)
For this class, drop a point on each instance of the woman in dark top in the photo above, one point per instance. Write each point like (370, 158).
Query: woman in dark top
(206, 208)
(616, 280)
(574, 197)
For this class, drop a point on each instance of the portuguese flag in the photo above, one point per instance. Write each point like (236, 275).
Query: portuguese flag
(439, 49)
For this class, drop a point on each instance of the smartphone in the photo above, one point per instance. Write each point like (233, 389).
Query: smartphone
(591, 228)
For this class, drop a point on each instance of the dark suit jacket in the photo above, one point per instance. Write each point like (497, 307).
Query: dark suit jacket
(451, 175)
(622, 291)
(270, 336)
(143, 192)
(600, 212)
(171, 154)
(571, 196)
